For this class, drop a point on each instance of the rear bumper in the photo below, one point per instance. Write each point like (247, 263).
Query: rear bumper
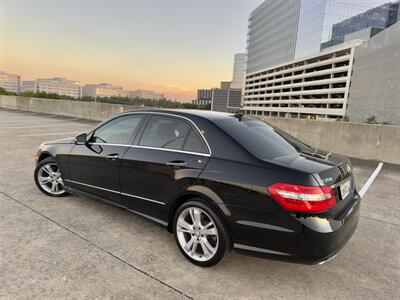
(313, 240)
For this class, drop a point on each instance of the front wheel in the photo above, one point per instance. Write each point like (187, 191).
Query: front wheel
(200, 233)
(48, 178)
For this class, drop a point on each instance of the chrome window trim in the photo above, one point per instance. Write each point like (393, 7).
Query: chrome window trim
(163, 114)
(171, 150)
(113, 191)
(107, 144)
(153, 148)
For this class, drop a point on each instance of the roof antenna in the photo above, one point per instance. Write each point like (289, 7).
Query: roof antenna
(239, 115)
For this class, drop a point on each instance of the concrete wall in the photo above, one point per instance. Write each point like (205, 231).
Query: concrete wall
(375, 83)
(78, 109)
(364, 141)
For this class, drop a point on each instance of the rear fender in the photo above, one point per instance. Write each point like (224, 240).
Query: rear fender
(191, 192)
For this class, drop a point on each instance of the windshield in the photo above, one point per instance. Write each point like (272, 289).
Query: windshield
(262, 140)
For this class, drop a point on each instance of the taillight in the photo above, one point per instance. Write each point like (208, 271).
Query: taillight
(303, 198)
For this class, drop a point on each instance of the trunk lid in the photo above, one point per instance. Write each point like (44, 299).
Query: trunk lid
(328, 169)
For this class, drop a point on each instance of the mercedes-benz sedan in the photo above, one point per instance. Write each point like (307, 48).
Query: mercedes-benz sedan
(216, 180)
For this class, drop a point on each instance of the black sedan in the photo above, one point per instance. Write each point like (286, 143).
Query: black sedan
(215, 180)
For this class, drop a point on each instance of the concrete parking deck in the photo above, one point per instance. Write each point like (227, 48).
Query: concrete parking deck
(70, 247)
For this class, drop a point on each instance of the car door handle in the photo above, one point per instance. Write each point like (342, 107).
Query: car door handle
(176, 163)
(112, 156)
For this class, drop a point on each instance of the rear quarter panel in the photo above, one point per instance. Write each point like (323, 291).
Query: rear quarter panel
(242, 188)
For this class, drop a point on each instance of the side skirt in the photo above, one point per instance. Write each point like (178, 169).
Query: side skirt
(100, 199)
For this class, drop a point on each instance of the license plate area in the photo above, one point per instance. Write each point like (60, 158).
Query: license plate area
(345, 189)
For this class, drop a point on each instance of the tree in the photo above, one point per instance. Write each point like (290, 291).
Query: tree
(5, 92)
(372, 120)
(161, 103)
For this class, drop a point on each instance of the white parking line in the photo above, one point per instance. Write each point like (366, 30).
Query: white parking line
(370, 180)
(45, 134)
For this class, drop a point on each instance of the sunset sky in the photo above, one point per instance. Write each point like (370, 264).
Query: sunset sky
(169, 46)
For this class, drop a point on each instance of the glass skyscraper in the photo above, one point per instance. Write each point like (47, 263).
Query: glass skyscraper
(364, 25)
(281, 31)
(239, 70)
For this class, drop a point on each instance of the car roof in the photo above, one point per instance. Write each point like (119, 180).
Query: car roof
(206, 114)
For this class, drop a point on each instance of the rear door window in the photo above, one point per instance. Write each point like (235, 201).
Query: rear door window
(194, 143)
(165, 132)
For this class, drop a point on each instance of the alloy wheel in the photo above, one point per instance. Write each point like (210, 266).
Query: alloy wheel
(197, 234)
(50, 180)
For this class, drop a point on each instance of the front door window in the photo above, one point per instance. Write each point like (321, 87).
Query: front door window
(118, 131)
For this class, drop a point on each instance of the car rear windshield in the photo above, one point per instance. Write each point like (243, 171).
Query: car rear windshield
(262, 140)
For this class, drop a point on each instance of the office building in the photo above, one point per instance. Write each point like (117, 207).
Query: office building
(226, 97)
(60, 86)
(103, 90)
(145, 94)
(225, 85)
(281, 31)
(375, 83)
(226, 100)
(10, 82)
(239, 70)
(204, 94)
(28, 86)
(312, 87)
(355, 81)
(203, 97)
(360, 35)
(365, 25)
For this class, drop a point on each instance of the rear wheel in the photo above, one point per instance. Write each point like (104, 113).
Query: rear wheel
(200, 233)
(48, 178)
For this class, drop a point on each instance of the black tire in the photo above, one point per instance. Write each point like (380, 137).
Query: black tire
(224, 238)
(48, 160)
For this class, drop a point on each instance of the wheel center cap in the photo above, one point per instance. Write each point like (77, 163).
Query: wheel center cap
(196, 233)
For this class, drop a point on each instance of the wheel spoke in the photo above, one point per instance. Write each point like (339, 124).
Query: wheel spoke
(211, 223)
(44, 180)
(206, 246)
(194, 248)
(210, 231)
(54, 187)
(184, 226)
(206, 251)
(189, 244)
(195, 214)
(48, 169)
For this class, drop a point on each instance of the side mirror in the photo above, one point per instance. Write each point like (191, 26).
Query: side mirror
(80, 139)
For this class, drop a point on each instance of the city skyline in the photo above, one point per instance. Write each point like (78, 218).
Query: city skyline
(134, 44)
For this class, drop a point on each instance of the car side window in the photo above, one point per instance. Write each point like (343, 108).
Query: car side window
(117, 131)
(194, 143)
(165, 132)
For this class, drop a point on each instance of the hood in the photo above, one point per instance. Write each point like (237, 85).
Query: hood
(69, 140)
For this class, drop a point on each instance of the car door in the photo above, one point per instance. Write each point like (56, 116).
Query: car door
(169, 154)
(95, 166)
